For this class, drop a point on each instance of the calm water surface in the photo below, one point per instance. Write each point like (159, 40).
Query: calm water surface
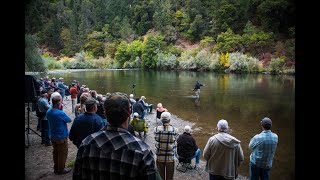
(240, 99)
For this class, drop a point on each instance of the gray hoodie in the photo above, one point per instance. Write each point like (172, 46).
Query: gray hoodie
(224, 155)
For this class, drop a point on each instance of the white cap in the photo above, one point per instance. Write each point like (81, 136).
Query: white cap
(131, 95)
(135, 114)
(187, 129)
(222, 125)
(159, 105)
(165, 116)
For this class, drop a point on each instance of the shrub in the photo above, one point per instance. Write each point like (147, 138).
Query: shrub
(81, 56)
(51, 63)
(202, 60)
(240, 62)
(214, 62)
(207, 42)
(168, 61)
(224, 60)
(276, 65)
(186, 61)
(102, 62)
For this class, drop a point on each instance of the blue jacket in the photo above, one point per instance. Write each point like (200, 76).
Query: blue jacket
(84, 125)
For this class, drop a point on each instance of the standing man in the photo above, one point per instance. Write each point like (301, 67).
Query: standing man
(223, 154)
(113, 153)
(62, 87)
(197, 89)
(43, 106)
(86, 123)
(73, 92)
(58, 134)
(165, 136)
(138, 107)
(264, 147)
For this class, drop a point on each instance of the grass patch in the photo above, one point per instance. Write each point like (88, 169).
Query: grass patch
(71, 163)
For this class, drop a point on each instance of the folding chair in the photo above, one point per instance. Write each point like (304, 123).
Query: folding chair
(184, 163)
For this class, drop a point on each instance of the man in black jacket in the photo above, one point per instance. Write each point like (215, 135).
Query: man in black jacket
(187, 147)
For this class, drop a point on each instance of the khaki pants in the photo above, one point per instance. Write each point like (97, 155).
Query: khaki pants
(60, 153)
(166, 170)
(74, 103)
(197, 93)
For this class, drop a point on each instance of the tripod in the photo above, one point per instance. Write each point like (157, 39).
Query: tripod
(132, 90)
(28, 128)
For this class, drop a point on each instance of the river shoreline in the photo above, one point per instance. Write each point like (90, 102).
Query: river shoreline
(58, 71)
(39, 162)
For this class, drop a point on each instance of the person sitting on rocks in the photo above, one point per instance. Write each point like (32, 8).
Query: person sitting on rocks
(147, 107)
(187, 147)
(139, 125)
(160, 110)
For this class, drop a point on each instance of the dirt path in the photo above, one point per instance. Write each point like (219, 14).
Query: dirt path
(39, 160)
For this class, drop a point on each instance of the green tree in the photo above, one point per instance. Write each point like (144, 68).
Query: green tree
(121, 55)
(151, 47)
(33, 60)
(228, 42)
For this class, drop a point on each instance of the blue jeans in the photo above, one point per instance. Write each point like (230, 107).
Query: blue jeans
(197, 156)
(104, 122)
(143, 114)
(45, 132)
(256, 172)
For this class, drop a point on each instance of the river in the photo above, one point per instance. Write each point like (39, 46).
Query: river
(242, 99)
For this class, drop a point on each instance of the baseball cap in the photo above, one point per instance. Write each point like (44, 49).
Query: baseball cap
(266, 121)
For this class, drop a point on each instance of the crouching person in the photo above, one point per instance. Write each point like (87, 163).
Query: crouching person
(139, 125)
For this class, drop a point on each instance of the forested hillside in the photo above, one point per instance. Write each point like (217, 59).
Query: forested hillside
(235, 35)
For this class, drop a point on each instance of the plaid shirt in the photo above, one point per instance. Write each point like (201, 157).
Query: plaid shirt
(113, 153)
(165, 137)
(264, 147)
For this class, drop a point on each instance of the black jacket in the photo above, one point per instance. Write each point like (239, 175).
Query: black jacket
(186, 145)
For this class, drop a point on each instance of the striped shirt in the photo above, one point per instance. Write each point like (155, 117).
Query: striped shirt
(113, 153)
(165, 137)
(264, 147)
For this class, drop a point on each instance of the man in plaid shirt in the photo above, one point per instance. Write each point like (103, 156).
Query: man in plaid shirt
(165, 137)
(113, 153)
(264, 147)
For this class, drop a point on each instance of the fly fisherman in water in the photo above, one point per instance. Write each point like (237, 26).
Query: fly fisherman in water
(197, 89)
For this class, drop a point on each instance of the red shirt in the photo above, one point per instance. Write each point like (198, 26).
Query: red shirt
(73, 92)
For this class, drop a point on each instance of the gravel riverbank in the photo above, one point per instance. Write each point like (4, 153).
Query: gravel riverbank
(39, 160)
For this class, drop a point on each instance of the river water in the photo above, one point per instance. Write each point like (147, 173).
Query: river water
(242, 99)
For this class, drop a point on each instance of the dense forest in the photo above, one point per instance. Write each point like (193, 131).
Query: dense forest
(203, 35)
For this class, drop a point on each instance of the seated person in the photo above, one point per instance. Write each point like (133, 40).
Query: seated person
(160, 110)
(139, 125)
(187, 147)
(146, 106)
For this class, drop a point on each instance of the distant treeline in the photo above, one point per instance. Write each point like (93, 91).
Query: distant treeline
(133, 33)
